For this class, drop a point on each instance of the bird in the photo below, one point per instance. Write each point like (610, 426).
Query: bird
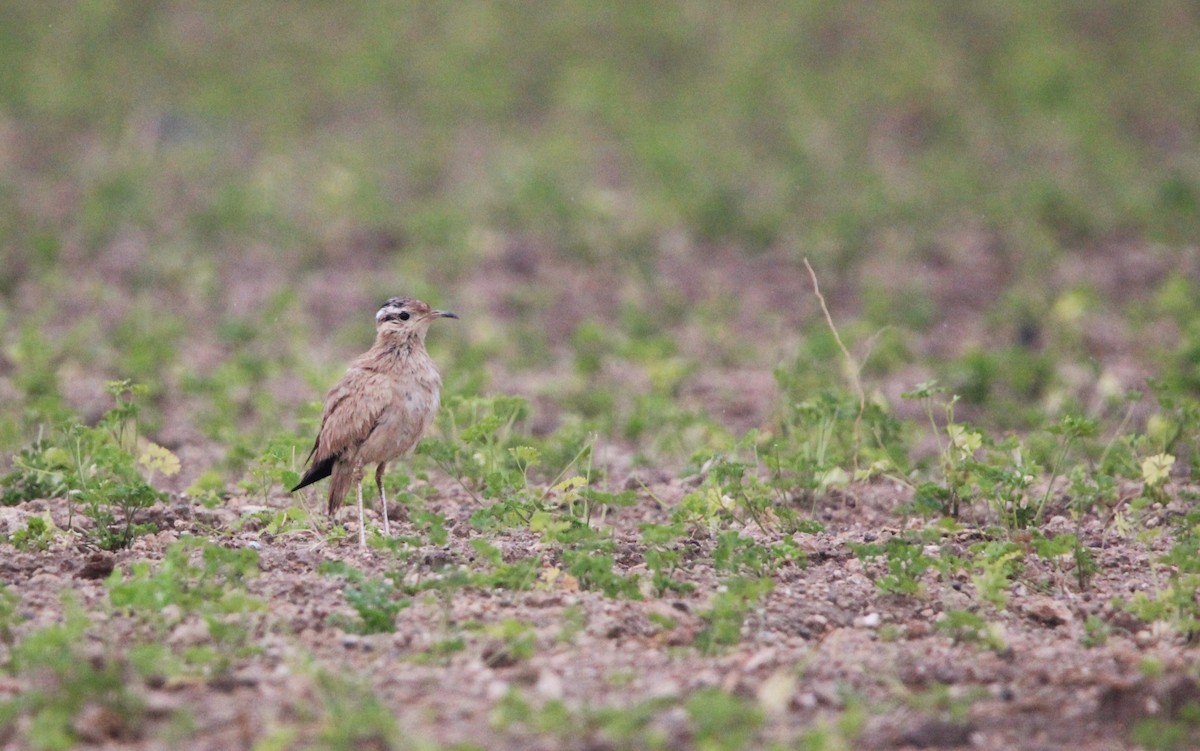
(380, 408)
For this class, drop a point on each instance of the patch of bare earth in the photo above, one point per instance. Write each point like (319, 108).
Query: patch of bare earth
(823, 639)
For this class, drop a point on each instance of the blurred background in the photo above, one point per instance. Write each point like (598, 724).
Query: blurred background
(212, 200)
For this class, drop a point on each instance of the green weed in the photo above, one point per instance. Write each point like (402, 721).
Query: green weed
(955, 459)
(193, 575)
(477, 433)
(722, 721)
(664, 556)
(276, 466)
(513, 641)
(735, 553)
(96, 468)
(1175, 733)
(197, 580)
(727, 612)
(36, 473)
(351, 717)
(839, 733)
(965, 626)
(821, 436)
(62, 679)
(716, 721)
(36, 361)
(375, 601)
(973, 464)
(515, 576)
(37, 534)
(594, 570)
(1175, 601)
(1095, 632)
(8, 615)
(944, 701)
(291, 520)
(1051, 549)
(996, 564)
(440, 652)
(904, 560)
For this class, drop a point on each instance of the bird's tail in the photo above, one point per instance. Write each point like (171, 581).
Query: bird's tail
(318, 471)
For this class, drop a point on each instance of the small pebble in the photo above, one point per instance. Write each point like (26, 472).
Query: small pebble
(549, 685)
(497, 689)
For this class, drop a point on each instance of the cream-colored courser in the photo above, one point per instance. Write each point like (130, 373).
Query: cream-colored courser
(380, 409)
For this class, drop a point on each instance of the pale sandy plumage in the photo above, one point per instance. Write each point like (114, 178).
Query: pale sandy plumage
(380, 408)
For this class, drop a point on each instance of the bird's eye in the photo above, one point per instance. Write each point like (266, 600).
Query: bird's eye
(404, 315)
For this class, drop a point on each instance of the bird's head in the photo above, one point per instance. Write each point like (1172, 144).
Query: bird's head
(405, 316)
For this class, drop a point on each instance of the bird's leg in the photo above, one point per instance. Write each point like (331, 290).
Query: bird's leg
(387, 532)
(362, 523)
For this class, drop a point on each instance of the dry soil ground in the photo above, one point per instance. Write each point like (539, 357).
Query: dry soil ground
(825, 652)
(823, 639)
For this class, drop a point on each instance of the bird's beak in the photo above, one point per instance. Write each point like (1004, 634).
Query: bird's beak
(442, 314)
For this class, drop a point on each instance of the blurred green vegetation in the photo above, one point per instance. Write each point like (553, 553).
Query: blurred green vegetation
(809, 124)
(180, 184)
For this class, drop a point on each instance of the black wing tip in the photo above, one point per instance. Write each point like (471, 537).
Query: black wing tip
(318, 471)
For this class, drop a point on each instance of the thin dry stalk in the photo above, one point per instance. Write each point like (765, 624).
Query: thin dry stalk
(852, 366)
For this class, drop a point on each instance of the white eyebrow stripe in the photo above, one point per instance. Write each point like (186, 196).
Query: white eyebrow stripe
(388, 310)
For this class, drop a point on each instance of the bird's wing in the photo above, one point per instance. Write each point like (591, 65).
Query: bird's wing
(352, 409)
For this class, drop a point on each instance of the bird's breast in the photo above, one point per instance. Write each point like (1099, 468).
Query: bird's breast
(414, 404)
